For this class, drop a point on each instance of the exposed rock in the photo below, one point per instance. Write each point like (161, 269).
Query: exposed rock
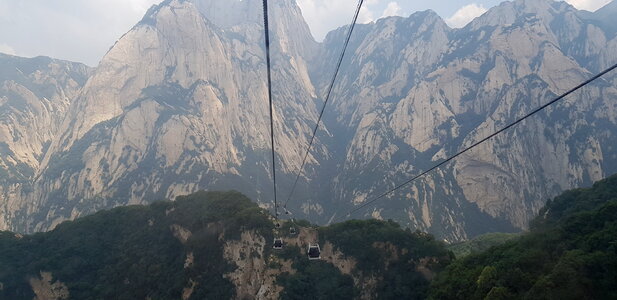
(424, 267)
(35, 94)
(181, 233)
(474, 81)
(188, 291)
(345, 264)
(44, 289)
(179, 104)
(190, 260)
(253, 278)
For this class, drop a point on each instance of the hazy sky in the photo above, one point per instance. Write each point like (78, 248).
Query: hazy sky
(83, 30)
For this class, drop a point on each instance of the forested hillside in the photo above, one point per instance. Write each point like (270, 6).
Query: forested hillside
(215, 245)
(570, 253)
(220, 245)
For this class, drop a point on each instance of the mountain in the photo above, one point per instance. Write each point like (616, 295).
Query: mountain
(414, 91)
(215, 245)
(179, 104)
(568, 254)
(604, 15)
(35, 94)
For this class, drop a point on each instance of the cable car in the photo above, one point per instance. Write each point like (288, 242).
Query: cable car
(314, 252)
(292, 230)
(278, 244)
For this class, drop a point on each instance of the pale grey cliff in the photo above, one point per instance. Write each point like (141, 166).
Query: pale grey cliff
(35, 94)
(179, 104)
(423, 92)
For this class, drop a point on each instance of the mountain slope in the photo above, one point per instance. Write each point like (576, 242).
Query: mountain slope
(179, 104)
(568, 254)
(184, 108)
(35, 94)
(219, 244)
(406, 117)
(214, 245)
(481, 243)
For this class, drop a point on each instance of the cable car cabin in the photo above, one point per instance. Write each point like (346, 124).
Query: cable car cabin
(292, 230)
(314, 252)
(278, 244)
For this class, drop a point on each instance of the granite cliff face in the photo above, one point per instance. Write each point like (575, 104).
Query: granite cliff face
(415, 92)
(179, 104)
(34, 97)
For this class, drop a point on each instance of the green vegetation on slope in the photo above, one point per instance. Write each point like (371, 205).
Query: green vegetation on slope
(382, 250)
(481, 243)
(139, 252)
(316, 280)
(385, 249)
(131, 253)
(569, 253)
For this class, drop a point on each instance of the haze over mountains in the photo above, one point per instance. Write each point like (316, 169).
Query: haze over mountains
(178, 104)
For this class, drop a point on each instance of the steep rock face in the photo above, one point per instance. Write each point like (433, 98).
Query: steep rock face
(570, 138)
(180, 104)
(35, 94)
(46, 290)
(562, 148)
(472, 82)
(215, 245)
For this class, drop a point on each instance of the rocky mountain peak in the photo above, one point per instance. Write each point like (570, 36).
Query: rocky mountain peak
(180, 104)
(521, 11)
(605, 16)
(607, 9)
(183, 90)
(35, 94)
(230, 13)
(210, 27)
(246, 19)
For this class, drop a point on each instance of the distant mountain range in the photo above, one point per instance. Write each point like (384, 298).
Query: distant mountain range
(179, 104)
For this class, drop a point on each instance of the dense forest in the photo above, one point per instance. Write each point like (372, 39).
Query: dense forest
(570, 252)
(138, 252)
(131, 253)
(481, 243)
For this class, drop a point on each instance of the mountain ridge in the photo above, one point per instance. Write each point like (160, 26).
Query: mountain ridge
(35, 93)
(177, 105)
(220, 244)
(213, 244)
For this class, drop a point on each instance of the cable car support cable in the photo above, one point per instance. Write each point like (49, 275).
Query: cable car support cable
(268, 64)
(535, 111)
(327, 99)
